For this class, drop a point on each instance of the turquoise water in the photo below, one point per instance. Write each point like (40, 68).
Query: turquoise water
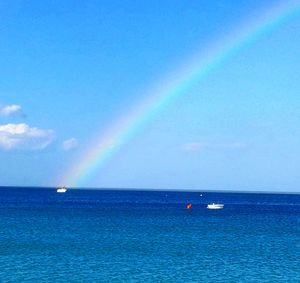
(113, 236)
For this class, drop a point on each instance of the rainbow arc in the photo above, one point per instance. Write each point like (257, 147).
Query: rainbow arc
(124, 129)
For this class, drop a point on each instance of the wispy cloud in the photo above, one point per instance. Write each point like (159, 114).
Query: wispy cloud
(70, 144)
(23, 137)
(198, 146)
(10, 110)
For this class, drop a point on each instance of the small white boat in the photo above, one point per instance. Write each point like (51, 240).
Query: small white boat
(61, 190)
(215, 206)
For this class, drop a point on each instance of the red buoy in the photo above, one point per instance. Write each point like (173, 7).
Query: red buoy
(189, 206)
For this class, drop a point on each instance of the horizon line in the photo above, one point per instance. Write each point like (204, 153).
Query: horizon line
(157, 190)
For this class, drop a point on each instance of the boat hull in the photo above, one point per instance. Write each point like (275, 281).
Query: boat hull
(215, 206)
(61, 190)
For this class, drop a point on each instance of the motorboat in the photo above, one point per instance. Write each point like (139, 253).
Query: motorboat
(61, 190)
(215, 206)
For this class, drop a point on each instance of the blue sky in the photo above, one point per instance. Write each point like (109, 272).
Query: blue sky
(69, 69)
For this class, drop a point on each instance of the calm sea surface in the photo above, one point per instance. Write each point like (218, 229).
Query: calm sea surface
(133, 236)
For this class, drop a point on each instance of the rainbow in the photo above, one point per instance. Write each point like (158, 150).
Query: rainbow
(109, 142)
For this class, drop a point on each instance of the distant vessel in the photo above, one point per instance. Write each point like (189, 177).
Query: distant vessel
(61, 190)
(215, 206)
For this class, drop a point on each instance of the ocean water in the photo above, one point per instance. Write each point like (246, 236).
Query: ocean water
(134, 236)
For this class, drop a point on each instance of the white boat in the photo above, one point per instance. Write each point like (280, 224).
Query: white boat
(61, 190)
(215, 206)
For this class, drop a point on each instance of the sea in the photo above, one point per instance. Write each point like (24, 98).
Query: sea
(147, 236)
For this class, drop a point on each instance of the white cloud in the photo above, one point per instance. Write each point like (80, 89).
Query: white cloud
(197, 146)
(70, 144)
(192, 146)
(10, 110)
(23, 137)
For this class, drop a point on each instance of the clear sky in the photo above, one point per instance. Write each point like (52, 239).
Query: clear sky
(70, 69)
